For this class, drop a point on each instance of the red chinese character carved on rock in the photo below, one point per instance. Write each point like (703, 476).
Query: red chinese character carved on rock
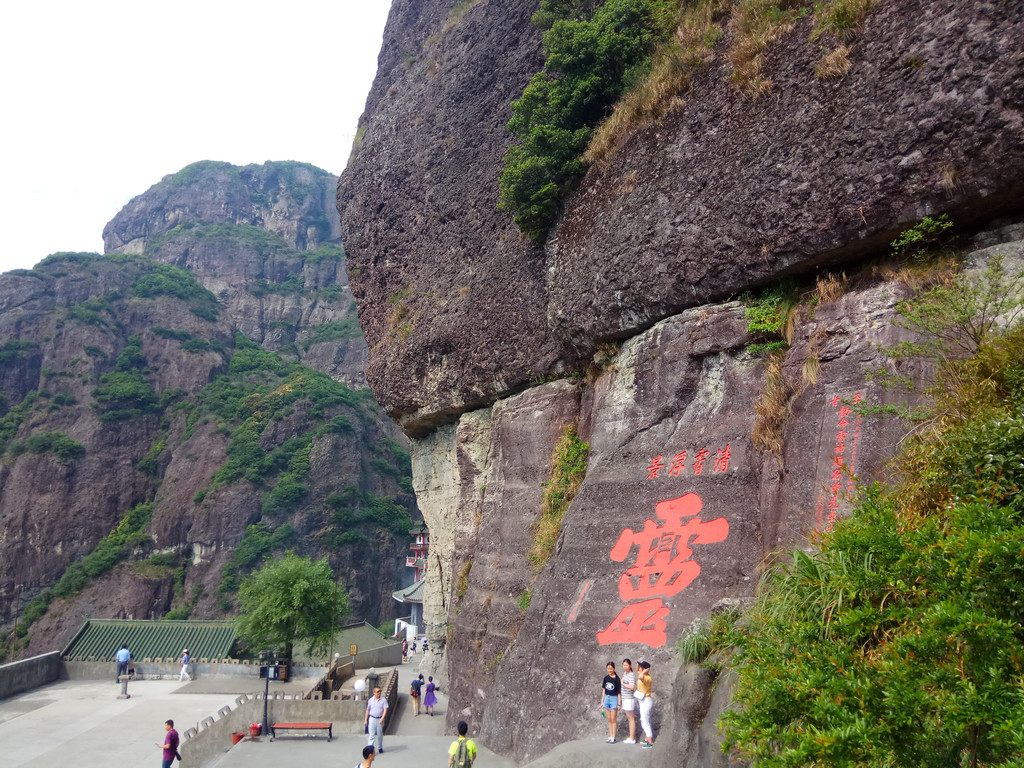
(663, 565)
(642, 622)
(657, 464)
(699, 459)
(678, 464)
(722, 459)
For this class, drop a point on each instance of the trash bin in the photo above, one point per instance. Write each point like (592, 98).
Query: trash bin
(282, 673)
(254, 729)
(236, 737)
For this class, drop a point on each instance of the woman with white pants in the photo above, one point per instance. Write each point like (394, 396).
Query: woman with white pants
(643, 697)
(184, 666)
(628, 702)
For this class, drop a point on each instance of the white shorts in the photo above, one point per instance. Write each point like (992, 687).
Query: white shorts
(628, 705)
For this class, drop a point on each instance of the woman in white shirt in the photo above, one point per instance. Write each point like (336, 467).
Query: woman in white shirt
(628, 702)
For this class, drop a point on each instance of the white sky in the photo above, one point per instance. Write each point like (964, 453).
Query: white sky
(100, 100)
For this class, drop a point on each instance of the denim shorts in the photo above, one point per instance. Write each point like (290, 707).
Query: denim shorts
(611, 702)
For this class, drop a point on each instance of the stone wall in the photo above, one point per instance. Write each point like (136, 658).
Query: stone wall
(30, 673)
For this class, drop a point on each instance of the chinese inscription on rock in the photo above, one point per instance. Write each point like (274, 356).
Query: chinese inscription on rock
(663, 566)
(844, 460)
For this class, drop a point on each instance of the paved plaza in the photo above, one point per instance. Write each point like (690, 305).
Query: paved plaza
(83, 723)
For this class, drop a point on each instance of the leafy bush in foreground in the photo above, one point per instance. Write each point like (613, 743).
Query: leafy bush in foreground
(901, 641)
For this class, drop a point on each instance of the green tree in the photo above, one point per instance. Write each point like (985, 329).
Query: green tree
(288, 600)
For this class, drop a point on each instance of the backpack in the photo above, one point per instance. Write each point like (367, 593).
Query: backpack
(462, 755)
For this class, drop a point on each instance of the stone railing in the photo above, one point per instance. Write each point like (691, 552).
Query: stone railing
(213, 736)
(30, 673)
(331, 683)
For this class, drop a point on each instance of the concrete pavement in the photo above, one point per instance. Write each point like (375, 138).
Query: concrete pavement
(85, 724)
(410, 741)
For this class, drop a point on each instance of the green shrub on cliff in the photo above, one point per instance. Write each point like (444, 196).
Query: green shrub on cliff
(338, 329)
(11, 421)
(125, 393)
(592, 59)
(569, 467)
(898, 643)
(16, 349)
(58, 443)
(111, 550)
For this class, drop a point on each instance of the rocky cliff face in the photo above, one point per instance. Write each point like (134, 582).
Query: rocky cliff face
(705, 457)
(264, 240)
(723, 193)
(151, 453)
(287, 198)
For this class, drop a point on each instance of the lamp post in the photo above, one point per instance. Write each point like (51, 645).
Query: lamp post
(266, 660)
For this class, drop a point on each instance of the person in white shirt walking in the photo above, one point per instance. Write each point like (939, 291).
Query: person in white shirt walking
(373, 722)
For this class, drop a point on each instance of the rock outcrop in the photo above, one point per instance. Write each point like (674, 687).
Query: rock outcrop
(264, 240)
(287, 198)
(724, 193)
(705, 456)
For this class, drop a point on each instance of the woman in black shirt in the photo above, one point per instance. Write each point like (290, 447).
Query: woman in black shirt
(611, 698)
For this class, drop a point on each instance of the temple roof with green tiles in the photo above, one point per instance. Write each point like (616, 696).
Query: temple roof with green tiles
(99, 640)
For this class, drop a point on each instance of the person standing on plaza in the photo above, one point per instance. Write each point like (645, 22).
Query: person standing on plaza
(373, 722)
(462, 752)
(430, 700)
(185, 658)
(611, 698)
(405, 651)
(415, 691)
(628, 701)
(123, 657)
(644, 685)
(368, 754)
(170, 745)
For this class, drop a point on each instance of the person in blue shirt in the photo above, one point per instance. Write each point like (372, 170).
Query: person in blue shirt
(123, 656)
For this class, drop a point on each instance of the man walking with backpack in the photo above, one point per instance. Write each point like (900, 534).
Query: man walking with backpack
(462, 752)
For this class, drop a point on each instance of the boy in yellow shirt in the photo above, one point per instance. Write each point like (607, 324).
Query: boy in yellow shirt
(462, 752)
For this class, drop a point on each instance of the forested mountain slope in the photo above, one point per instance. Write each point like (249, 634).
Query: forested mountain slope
(153, 451)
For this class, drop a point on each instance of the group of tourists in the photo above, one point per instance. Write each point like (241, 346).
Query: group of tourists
(461, 753)
(429, 700)
(406, 649)
(631, 693)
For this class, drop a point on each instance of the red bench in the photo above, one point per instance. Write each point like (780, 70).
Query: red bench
(300, 727)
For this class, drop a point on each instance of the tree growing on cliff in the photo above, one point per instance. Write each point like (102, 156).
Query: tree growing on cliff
(288, 600)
